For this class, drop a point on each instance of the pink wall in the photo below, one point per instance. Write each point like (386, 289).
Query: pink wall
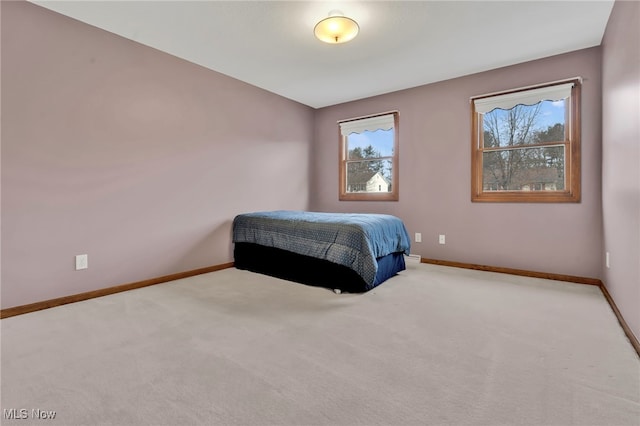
(435, 176)
(621, 158)
(132, 156)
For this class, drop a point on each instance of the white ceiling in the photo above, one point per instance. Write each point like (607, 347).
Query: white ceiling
(402, 44)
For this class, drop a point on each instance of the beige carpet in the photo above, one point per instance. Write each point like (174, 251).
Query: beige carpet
(432, 346)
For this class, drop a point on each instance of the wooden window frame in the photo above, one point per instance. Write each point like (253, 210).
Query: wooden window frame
(393, 195)
(572, 191)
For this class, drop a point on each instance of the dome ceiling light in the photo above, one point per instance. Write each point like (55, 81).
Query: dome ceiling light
(336, 29)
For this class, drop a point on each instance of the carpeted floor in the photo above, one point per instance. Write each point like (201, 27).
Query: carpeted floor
(432, 346)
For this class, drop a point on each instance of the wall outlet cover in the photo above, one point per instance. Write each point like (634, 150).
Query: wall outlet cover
(82, 262)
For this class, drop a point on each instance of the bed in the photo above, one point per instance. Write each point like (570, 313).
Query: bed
(350, 252)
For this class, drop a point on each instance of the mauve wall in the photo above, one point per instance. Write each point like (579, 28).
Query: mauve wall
(621, 158)
(130, 155)
(435, 174)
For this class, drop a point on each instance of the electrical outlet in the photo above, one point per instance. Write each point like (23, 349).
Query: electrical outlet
(418, 237)
(82, 261)
(441, 239)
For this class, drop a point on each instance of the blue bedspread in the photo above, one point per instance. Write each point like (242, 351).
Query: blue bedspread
(350, 239)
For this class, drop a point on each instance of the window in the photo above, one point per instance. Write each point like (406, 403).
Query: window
(526, 144)
(369, 158)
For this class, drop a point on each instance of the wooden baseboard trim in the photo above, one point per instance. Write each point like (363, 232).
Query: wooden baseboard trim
(558, 277)
(511, 271)
(38, 306)
(627, 330)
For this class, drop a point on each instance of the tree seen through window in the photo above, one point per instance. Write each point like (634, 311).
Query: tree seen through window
(512, 159)
(526, 144)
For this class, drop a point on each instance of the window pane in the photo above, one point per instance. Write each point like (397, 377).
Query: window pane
(369, 176)
(524, 169)
(525, 124)
(368, 158)
(370, 144)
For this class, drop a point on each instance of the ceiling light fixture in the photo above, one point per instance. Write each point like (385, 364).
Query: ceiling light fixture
(336, 29)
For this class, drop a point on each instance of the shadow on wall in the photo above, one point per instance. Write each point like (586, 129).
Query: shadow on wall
(213, 248)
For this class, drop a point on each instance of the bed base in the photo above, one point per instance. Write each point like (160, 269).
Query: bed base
(311, 271)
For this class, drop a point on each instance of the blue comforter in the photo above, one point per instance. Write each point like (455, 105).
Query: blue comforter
(350, 239)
